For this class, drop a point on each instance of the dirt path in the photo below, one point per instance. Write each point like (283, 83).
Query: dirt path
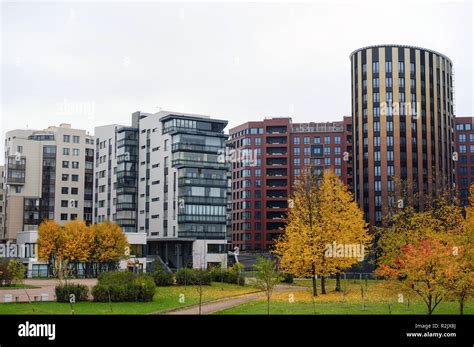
(222, 304)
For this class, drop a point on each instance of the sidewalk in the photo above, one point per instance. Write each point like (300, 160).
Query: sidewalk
(222, 304)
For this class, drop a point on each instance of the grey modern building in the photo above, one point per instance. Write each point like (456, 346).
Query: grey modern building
(166, 176)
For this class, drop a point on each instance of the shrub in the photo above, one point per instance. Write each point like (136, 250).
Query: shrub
(163, 279)
(230, 275)
(287, 278)
(146, 287)
(124, 286)
(17, 271)
(5, 276)
(187, 276)
(63, 292)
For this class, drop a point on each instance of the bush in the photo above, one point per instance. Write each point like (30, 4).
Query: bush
(17, 271)
(287, 278)
(5, 276)
(163, 279)
(124, 286)
(187, 276)
(63, 292)
(230, 275)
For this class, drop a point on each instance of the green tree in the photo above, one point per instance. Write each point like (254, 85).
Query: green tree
(267, 277)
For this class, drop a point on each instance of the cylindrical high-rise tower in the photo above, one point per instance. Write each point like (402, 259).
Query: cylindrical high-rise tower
(403, 121)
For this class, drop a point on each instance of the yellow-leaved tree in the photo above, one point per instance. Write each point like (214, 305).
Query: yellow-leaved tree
(110, 245)
(77, 245)
(50, 235)
(326, 232)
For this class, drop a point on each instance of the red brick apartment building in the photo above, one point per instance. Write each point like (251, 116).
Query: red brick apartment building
(464, 144)
(261, 186)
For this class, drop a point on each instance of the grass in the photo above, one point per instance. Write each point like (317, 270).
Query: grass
(166, 298)
(18, 286)
(377, 300)
(281, 307)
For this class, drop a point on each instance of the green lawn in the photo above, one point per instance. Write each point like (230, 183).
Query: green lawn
(281, 307)
(376, 297)
(166, 298)
(18, 286)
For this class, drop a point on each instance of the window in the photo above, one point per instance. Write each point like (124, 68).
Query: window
(307, 151)
(76, 152)
(327, 150)
(306, 140)
(65, 177)
(388, 66)
(64, 190)
(75, 165)
(375, 83)
(258, 141)
(401, 82)
(66, 138)
(296, 140)
(337, 140)
(76, 139)
(388, 82)
(375, 67)
(296, 151)
(297, 161)
(65, 164)
(327, 140)
(317, 140)
(63, 216)
(66, 151)
(462, 137)
(327, 161)
(75, 178)
(401, 67)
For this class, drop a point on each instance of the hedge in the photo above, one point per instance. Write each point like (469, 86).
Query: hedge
(124, 286)
(63, 292)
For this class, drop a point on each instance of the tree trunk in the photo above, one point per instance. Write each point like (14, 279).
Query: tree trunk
(338, 282)
(323, 285)
(268, 304)
(461, 307)
(315, 291)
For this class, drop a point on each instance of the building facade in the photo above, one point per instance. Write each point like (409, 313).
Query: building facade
(116, 185)
(166, 176)
(269, 155)
(464, 141)
(48, 175)
(403, 122)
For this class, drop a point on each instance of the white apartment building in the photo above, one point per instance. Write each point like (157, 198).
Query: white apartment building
(168, 184)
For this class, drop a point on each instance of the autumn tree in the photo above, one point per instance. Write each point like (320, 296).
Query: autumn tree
(421, 268)
(77, 244)
(110, 245)
(417, 249)
(50, 237)
(323, 221)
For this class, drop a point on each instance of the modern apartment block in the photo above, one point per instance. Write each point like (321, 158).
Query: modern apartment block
(269, 155)
(403, 124)
(166, 176)
(116, 185)
(464, 141)
(2, 203)
(48, 175)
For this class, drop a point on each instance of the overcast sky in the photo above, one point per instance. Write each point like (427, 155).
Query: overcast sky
(94, 63)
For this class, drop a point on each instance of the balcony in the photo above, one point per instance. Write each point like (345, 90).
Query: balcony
(204, 200)
(277, 173)
(277, 194)
(185, 181)
(276, 130)
(184, 218)
(278, 204)
(187, 147)
(16, 180)
(277, 151)
(276, 183)
(198, 163)
(277, 161)
(276, 140)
